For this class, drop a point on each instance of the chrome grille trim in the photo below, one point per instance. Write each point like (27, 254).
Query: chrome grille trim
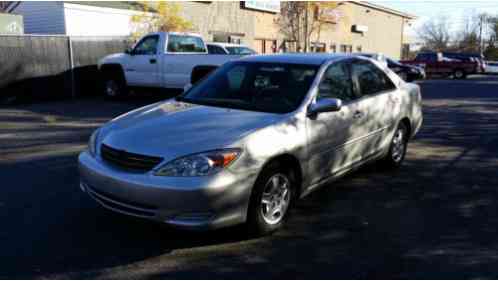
(128, 160)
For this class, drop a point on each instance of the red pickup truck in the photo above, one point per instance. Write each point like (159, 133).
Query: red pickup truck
(437, 64)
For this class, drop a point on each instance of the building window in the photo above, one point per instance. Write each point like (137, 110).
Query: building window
(318, 47)
(346, 49)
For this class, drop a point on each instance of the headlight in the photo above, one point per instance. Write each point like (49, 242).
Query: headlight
(92, 143)
(201, 164)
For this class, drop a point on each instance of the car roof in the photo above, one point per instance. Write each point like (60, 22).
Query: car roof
(297, 58)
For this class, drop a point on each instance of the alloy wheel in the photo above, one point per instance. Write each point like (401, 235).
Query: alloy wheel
(276, 199)
(398, 145)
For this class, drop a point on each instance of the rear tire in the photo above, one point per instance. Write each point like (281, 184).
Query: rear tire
(271, 199)
(397, 148)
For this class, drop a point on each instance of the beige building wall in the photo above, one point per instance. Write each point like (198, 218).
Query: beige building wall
(256, 29)
(385, 31)
(215, 18)
(266, 32)
(384, 35)
(259, 30)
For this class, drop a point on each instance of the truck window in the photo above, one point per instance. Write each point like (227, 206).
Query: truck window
(185, 44)
(427, 57)
(147, 46)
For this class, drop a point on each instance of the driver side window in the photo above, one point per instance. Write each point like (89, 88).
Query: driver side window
(337, 83)
(148, 46)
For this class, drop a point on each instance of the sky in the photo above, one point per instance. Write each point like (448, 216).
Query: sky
(455, 11)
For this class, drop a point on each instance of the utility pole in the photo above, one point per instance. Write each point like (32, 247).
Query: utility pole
(306, 26)
(482, 18)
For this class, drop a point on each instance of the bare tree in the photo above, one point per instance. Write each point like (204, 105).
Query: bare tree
(491, 50)
(469, 38)
(435, 34)
(299, 21)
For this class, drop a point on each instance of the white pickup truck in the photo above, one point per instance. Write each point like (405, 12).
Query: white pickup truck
(169, 60)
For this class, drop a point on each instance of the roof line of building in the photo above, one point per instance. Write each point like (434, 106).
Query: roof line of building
(385, 9)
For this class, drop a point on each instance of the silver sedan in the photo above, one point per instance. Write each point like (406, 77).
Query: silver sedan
(243, 144)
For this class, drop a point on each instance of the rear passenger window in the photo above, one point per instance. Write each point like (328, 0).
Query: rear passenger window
(371, 80)
(336, 83)
(185, 44)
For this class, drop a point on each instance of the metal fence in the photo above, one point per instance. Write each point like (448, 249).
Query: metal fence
(44, 67)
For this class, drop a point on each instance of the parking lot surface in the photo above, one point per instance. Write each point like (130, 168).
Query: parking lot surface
(436, 217)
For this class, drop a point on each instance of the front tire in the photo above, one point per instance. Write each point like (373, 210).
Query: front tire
(271, 199)
(459, 74)
(114, 86)
(397, 148)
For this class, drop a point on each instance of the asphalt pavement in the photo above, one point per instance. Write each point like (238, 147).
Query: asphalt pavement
(436, 217)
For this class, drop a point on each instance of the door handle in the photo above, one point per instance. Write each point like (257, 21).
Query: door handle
(358, 115)
(152, 61)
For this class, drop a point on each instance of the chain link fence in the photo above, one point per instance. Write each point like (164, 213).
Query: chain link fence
(48, 67)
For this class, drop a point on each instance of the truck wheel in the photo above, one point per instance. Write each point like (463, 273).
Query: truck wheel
(459, 74)
(114, 85)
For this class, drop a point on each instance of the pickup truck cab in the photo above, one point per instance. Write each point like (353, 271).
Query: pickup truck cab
(159, 60)
(437, 64)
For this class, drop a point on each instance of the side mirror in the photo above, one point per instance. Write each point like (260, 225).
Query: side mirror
(128, 51)
(325, 105)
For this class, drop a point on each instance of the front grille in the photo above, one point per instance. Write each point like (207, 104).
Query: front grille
(127, 160)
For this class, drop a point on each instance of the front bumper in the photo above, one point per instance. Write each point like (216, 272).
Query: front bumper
(187, 202)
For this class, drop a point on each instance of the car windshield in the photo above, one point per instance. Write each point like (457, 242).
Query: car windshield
(265, 87)
(240, 51)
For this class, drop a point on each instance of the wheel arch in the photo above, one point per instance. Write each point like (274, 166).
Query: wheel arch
(113, 69)
(288, 161)
(406, 121)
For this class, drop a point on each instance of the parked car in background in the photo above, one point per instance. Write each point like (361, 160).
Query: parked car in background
(159, 60)
(243, 144)
(381, 58)
(436, 64)
(229, 49)
(407, 72)
(492, 67)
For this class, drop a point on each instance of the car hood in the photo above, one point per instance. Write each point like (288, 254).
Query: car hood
(172, 129)
(112, 58)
